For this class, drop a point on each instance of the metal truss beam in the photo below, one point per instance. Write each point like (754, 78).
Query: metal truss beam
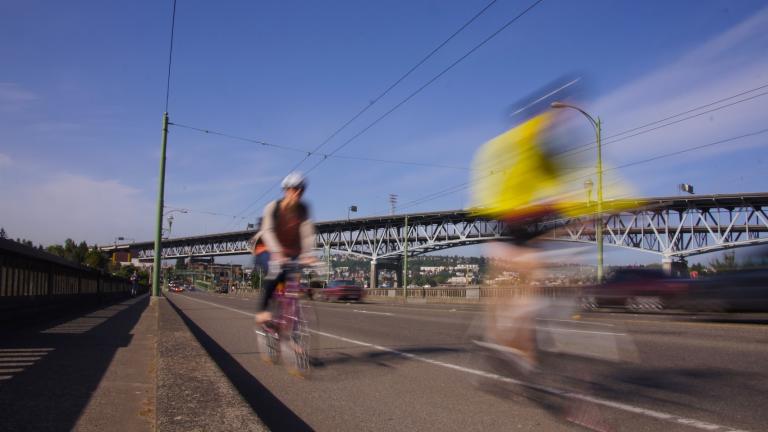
(674, 227)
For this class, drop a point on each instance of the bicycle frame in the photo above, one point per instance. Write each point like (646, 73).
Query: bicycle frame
(289, 324)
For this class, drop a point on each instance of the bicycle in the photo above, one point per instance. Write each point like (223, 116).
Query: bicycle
(290, 326)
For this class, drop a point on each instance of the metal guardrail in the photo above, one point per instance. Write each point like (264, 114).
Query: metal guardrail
(470, 294)
(31, 279)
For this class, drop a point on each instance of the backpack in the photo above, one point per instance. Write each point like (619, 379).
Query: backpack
(257, 245)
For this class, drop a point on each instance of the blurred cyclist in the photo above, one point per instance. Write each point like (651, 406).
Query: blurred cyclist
(287, 233)
(518, 179)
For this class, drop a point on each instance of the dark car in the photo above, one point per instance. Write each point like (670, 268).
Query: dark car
(736, 291)
(223, 289)
(636, 290)
(341, 289)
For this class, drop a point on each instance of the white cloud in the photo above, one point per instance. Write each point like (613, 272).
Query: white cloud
(725, 65)
(74, 206)
(14, 97)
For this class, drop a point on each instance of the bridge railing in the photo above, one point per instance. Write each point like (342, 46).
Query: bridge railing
(31, 280)
(471, 293)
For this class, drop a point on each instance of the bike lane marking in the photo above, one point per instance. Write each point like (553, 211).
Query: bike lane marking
(373, 313)
(660, 415)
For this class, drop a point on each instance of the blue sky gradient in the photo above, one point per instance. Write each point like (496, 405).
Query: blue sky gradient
(82, 93)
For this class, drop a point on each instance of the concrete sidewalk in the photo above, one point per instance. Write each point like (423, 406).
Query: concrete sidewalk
(193, 392)
(130, 366)
(93, 370)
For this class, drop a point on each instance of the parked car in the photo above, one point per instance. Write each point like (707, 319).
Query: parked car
(636, 290)
(736, 291)
(223, 289)
(341, 289)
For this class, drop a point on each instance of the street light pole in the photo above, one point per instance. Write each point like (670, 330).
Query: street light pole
(599, 219)
(405, 260)
(159, 218)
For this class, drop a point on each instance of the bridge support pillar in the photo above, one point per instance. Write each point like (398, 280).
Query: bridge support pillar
(374, 280)
(399, 273)
(674, 267)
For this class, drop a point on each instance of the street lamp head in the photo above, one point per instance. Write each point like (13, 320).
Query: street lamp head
(353, 208)
(558, 105)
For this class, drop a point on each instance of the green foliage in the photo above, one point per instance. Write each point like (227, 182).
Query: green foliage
(80, 253)
(728, 262)
(180, 264)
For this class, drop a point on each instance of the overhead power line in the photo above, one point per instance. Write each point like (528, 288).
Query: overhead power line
(325, 155)
(466, 185)
(607, 140)
(170, 58)
(432, 80)
(390, 88)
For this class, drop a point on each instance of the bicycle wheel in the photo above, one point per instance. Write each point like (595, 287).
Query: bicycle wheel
(303, 338)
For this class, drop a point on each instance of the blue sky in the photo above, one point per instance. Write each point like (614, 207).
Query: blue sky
(82, 92)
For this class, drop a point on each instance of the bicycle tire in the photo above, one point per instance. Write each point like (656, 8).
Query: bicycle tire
(303, 338)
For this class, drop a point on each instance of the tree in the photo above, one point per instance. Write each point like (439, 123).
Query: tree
(3, 234)
(727, 263)
(96, 259)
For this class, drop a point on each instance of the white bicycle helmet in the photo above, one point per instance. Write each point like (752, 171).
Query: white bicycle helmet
(294, 180)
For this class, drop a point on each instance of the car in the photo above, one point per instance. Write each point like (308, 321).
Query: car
(636, 290)
(176, 288)
(222, 289)
(341, 289)
(732, 291)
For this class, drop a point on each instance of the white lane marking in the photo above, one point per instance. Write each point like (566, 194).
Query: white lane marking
(4, 350)
(577, 322)
(374, 313)
(698, 424)
(585, 331)
(23, 358)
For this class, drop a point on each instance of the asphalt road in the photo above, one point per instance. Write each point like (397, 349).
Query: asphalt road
(412, 367)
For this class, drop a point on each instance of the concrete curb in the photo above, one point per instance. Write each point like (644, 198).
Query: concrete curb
(193, 392)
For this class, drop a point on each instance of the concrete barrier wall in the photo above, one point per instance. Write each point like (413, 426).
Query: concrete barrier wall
(32, 280)
(467, 294)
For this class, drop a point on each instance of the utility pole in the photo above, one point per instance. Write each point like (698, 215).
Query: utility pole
(392, 203)
(405, 260)
(159, 218)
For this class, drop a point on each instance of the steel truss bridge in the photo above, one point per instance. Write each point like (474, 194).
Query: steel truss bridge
(672, 227)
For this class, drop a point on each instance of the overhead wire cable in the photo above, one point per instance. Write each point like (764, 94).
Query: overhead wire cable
(298, 150)
(431, 81)
(170, 58)
(607, 140)
(465, 185)
(384, 93)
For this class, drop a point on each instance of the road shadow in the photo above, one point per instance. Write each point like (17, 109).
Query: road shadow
(275, 415)
(49, 369)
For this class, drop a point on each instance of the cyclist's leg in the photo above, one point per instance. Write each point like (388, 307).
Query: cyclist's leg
(511, 319)
(262, 314)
